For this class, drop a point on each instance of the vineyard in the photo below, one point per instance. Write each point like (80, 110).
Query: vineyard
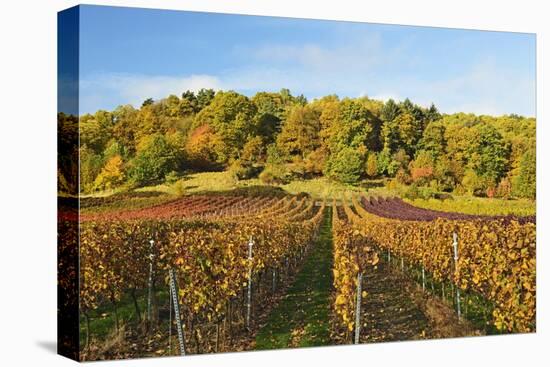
(215, 246)
(493, 256)
(204, 274)
(398, 209)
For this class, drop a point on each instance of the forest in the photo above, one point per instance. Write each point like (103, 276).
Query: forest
(279, 137)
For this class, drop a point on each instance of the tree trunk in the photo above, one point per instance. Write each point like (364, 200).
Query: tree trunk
(217, 336)
(116, 316)
(155, 303)
(197, 341)
(87, 317)
(136, 305)
(230, 316)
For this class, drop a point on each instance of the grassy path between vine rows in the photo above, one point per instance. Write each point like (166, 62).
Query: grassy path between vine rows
(397, 309)
(302, 317)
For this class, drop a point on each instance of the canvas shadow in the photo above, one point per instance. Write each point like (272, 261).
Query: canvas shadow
(48, 345)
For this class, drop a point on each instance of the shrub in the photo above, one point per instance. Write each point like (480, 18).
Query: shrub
(474, 184)
(422, 168)
(178, 188)
(274, 175)
(372, 165)
(314, 162)
(171, 177)
(393, 185)
(459, 190)
(240, 171)
(421, 173)
(297, 169)
(413, 192)
(416, 192)
(403, 177)
(393, 168)
(267, 177)
(504, 189)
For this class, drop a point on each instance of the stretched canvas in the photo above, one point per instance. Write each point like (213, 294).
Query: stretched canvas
(230, 183)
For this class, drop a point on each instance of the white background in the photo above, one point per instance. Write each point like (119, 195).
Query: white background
(28, 181)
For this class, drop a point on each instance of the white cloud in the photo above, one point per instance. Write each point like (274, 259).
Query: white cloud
(102, 89)
(359, 53)
(487, 88)
(364, 69)
(383, 96)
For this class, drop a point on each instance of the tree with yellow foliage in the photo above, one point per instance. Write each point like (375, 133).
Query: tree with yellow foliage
(111, 175)
(372, 166)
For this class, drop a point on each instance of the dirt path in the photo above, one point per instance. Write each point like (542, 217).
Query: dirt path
(396, 309)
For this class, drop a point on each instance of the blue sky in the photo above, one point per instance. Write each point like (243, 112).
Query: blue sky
(128, 55)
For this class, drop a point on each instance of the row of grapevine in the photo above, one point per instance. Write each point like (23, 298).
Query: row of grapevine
(210, 255)
(496, 257)
(193, 206)
(353, 253)
(244, 208)
(396, 208)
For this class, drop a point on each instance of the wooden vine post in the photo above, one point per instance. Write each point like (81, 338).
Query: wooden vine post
(423, 278)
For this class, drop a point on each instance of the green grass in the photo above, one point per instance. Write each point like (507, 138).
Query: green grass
(318, 188)
(199, 182)
(123, 201)
(102, 319)
(208, 183)
(302, 317)
(222, 181)
(482, 206)
(463, 204)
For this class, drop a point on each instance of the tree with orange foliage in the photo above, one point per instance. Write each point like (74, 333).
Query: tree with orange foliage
(203, 147)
